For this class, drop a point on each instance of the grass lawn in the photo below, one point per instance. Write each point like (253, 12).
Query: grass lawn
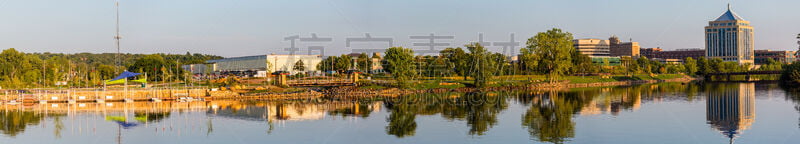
(432, 84)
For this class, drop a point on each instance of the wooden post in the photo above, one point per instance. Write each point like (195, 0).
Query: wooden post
(354, 78)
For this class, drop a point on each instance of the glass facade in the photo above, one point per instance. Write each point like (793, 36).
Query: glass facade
(730, 38)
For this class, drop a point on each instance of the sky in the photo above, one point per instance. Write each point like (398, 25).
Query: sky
(233, 28)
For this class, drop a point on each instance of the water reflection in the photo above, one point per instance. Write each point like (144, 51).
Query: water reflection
(544, 116)
(290, 111)
(613, 101)
(793, 94)
(13, 122)
(549, 118)
(478, 109)
(730, 108)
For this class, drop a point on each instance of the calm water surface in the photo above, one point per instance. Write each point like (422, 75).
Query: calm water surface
(659, 113)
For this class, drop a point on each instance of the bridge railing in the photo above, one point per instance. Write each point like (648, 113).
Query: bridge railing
(318, 81)
(747, 73)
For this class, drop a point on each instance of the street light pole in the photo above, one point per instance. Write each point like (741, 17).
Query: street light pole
(797, 53)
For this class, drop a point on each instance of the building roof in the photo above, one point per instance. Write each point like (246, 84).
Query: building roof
(256, 57)
(729, 16)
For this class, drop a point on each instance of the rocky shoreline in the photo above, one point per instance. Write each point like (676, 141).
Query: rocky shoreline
(352, 92)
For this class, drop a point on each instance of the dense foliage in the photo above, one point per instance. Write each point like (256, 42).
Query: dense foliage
(399, 62)
(27, 70)
(549, 53)
(336, 63)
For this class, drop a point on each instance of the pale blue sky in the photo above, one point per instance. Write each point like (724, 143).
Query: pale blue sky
(240, 28)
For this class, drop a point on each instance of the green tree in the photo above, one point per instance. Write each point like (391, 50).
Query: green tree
(644, 64)
(715, 66)
(157, 68)
(458, 59)
(299, 66)
(441, 67)
(704, 68)
(363, 62)
(550, 53)
(771, 65)
(482, 65)
(631, 66)
(326, 64)
(691, 65)
(501, 64)
(791, 74)
(399, 62)
(343, 63)
(582, 63)
(334, 63)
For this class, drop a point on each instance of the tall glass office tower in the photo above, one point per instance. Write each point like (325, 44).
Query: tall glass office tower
(730, 38)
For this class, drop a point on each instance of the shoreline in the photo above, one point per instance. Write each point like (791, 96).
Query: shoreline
(352, 92)
(348, 92)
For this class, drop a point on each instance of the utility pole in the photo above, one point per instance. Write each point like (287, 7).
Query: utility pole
(116, 38)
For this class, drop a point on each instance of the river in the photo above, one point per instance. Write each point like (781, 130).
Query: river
(652, 113)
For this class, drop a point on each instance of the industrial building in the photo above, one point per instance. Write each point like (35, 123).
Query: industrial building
(256, 66)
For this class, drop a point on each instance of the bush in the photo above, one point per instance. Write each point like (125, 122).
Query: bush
(791, 74)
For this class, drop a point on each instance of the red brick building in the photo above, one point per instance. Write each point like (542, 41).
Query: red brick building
(681, 54)
(761, 56)
(649, 52)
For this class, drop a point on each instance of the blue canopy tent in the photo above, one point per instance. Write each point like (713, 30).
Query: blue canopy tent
(122, 78)
(125, 74)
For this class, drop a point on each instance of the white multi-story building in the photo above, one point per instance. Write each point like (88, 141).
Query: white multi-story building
(730, 38)
(592, 47)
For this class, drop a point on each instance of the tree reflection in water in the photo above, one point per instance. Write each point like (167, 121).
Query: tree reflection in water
(478, 109)
(151, 117)
(13, 122)
(793, 94)
(402, 119)
(549, 117)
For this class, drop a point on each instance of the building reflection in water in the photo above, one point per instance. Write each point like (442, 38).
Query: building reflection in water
(730, 108)
(279, 111)
(14, 119)
(613, 102)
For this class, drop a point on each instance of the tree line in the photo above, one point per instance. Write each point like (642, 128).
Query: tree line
(28, 70)
(549, 53)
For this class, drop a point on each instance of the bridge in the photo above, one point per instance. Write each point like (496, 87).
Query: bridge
(747, 74)
(319, 81)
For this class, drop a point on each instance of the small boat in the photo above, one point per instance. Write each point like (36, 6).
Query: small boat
(13, 102)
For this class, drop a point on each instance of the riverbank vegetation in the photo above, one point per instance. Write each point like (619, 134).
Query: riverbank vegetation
(548, 57)
(29, 70)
